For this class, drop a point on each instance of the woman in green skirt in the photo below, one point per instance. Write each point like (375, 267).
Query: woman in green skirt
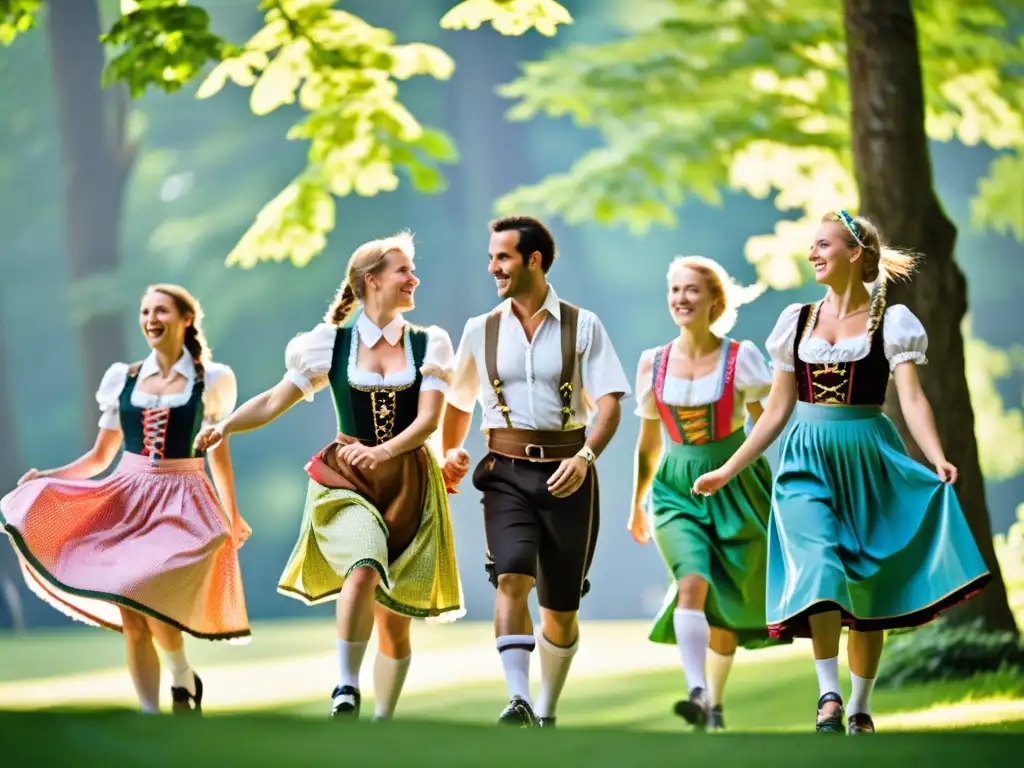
(376, 533)
(860, 535)
(698, 390)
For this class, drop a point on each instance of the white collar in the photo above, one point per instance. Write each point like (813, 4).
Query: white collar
(371, 334)
(183, 365)
(551, 305)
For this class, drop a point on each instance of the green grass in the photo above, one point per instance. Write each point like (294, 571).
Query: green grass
(606, 715)
(113, 738)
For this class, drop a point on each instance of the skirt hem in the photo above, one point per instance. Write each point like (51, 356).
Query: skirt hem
(798, 625)
(41, 578)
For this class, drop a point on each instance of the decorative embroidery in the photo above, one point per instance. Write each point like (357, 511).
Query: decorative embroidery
(384, 409)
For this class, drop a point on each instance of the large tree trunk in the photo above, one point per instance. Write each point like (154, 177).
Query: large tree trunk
(97, 161)
(894, 175)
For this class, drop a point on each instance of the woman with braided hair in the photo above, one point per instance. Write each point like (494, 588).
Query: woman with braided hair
(376, 522)
(148, 551)
(860, 534)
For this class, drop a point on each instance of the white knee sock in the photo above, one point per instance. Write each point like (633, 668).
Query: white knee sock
(554, 669)
(515, 653)
(692, 634)
(350, 660)
(828, 675)
(182, 675)
(719, 667)
(388, 679)
(860, 695)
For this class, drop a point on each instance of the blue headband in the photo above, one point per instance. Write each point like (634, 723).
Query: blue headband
(851, 225)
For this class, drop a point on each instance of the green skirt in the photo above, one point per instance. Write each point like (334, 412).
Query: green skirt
(860, 527)
(721, 538)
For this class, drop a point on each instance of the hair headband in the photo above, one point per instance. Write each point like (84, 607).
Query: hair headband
(851, 225)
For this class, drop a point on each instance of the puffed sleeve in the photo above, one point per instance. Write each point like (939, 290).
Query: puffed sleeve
(601, 372)
(221, 394)
(108, 395)
(465, 381)
(904, 338)
(646, 408)
(753, 377)
(780, 340)
(437, 361)
(307, 359)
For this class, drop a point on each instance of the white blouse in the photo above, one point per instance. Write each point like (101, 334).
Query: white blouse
(903, 339)
(308, 357)
(752, 381)
(220, 391)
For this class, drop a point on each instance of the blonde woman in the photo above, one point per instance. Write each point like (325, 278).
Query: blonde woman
(861, 535)
(697, 391)
(148, 551)
(376, 522)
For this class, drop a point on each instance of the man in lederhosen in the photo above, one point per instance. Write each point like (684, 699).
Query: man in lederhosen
(539, 367)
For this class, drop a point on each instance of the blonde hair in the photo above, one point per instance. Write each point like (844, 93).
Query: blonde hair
(367, 259)
(725, 291)
(880, 263)
(187, 304)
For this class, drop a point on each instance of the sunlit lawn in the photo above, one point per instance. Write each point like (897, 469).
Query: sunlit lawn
(617, 706)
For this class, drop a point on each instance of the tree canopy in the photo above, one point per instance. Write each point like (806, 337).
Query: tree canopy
(698, 95)
(341, 71)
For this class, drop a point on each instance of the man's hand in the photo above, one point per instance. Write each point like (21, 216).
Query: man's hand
(568, 478)
(455, 467)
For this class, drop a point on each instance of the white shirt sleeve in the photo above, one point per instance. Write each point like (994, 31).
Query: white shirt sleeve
(307, 359)
(437, 361)
(646, 407)
(904, 338)
(108, 396)
(221, 394)
(600, 370)
(753, 377)
(780, 340)
(464, 383)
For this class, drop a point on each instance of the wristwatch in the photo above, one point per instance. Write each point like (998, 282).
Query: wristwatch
(587, 454)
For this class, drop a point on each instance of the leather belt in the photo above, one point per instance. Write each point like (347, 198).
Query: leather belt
(536, 444)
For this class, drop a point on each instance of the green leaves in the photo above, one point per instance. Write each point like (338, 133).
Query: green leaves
(752, 95)
(163, 43)
(343, 73)
(1000, 200)
(16, 17)
(509, 17)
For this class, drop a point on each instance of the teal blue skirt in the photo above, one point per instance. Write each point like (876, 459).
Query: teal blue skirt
(720, 538)
(860, 527)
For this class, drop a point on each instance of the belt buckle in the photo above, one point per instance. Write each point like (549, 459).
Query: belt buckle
(539, 456)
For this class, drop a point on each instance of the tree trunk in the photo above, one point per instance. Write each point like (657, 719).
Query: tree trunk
(97, 160)
(894, 175)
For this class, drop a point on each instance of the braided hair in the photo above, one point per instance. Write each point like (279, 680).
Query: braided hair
(195, 339)
(368, 259)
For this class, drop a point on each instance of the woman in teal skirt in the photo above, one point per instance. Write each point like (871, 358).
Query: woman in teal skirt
(860, 535)
(698, 389)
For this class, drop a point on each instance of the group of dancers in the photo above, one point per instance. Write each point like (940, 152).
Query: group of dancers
(849, 532)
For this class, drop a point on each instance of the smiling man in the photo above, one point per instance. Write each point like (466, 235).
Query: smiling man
(539, 367)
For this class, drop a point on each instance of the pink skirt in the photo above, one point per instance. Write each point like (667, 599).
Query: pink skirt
(153, 539)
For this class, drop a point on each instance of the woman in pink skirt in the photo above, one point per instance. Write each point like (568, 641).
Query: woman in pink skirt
(148, 551)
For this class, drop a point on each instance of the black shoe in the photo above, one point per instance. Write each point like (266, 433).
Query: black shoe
(695, 709)
(545, 722)
(518, 713)
(716, 720)
(860, 723)
(345, 702)
(183, 702)
(832, 723)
